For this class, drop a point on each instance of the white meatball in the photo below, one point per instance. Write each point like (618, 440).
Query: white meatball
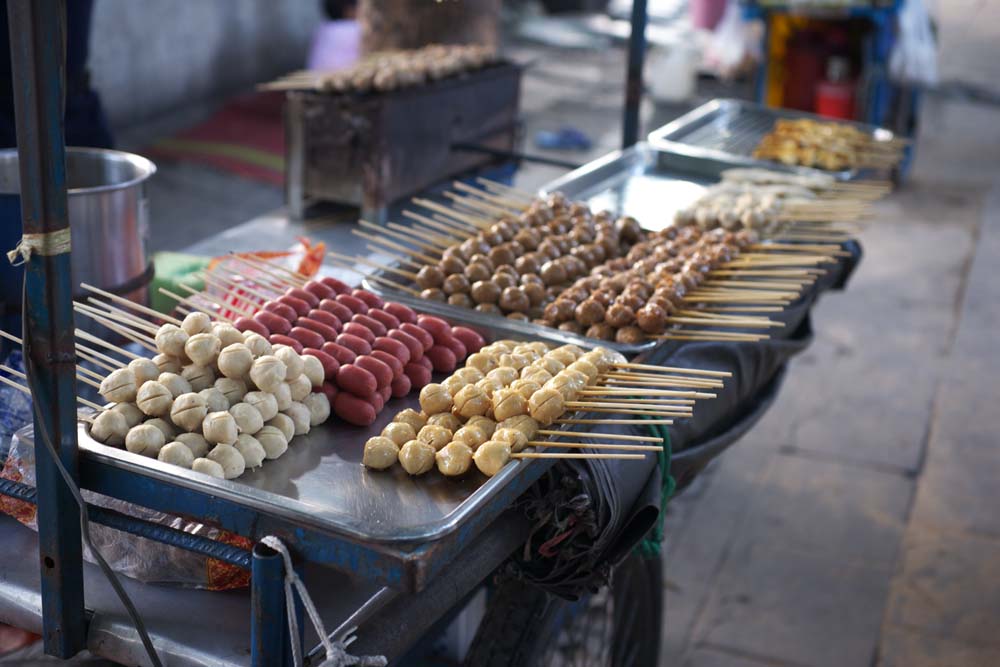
(199, 377)
(170, 339)
(175, 384)
(227, 334)
(219, 427)
(167, 364)
(189, 411)
(251, 450)
(319, 408)
(235, 361)
(300, 416)
(273, 441)
(299, 388)
(283, 395)
(154, 399)
(176, 453)
(267, 373)
(248, 419)
(215, 400)
(119, 386)
(196, 322)
(266, 404)
(195, 442)
(230, 459)
(166, 428)
(202, 348)
(313, 369)
(144, 439)
(233, 390)
(110, 427)
(291, 359)
(283, 423)
(208, 467)
(131, 412)
(258, 345)
(144, 371)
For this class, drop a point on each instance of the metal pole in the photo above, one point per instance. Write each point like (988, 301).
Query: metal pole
(268, 624)
(633, 75)
(38, 58)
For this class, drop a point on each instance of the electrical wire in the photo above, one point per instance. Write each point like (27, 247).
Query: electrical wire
(74, 490)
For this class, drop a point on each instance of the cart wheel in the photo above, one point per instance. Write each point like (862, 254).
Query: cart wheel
(617, 627)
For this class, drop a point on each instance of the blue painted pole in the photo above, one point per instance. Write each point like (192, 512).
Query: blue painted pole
(268, 624)
(633, 75)
(38, 61)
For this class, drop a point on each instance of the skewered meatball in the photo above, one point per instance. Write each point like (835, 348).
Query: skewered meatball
(502, 254)
(553, 273)
(619, 315)
(461, 300)
(455, 283)
(651, 318)
(520, 317)
(451, 265)
(534, 291)
(430, 276)
(571, 326)
(514, 299)
(489, 308)
(485, 292)
(602, 331)
(589, 312)
(504, 280)
(560, 310)
(630, 335)
(433, 294)
(477, 271)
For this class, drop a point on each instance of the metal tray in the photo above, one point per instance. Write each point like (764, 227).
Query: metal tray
(320, 483)
(637, 182)
(723, 133)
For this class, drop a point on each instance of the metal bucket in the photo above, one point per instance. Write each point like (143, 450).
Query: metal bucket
(109, 218)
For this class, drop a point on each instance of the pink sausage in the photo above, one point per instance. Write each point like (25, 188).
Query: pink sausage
(354, 410)
(394, 364)
(281, 310)
(400, 312)
(247, 324)
(338, 286)
(442, 358)
(355, 304)
(319, 290)
(279, 339)
(385, 319)
(386, 393)
(356, 380)
(273, 322)
(362, 332)
(420, 334)
(415, 347)
(342, 312)
(458, 349)
(330, 364)
(300, 293)
(327, 332)
(401, 386)
(300, 307)
(354, 344)
(342, 354)
(371, 300)
(307, 337)
(382, 373)
(377, 402)
(370, 323)
(472, 341)
(393, 347)
(435, 326)
(329, 319)
(419, 376)
(425, 362)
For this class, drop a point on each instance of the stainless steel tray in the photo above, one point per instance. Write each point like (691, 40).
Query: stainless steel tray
(723, 133)
(637, 182)
(320, 483)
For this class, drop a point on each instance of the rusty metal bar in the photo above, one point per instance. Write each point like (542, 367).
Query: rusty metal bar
(633, 74)
(38, 61)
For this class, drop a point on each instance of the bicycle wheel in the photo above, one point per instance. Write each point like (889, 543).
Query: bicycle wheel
(619, 626)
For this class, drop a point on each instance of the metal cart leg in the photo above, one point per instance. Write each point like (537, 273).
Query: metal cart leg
(268, 625)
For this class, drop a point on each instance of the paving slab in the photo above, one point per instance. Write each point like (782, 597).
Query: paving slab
(796, 607)
(902, 647)
(948, 586)
(826, 508)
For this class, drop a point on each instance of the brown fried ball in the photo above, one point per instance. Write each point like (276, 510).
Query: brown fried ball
(553, 273)
(589, 312)
(477, 271)
(560, 310)
(526, 264)
(456, 283)
(504, 280)
(460, 299)
(430, 276)
(535, 292)
(489, 308)
(520, 317)
(651, 318)
(571, 326)
(481, 258)
(485, 291)
(631, 335)
(502, 254)
(602, 331)
(433, 294)
(618, 315)
(451, 265)
(514, 299)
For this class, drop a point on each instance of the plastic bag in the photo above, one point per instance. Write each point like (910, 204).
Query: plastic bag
(133, 556)
(914, 57)
(733, 42)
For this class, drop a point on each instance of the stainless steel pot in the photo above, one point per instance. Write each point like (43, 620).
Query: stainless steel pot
(108, 215)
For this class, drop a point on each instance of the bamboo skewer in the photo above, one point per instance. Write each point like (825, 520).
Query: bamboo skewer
(86, 371)
(649, 422)
(480, 223)
(133, 335)
(402, 237)
(375, 265)
(26, 390)
(238, 292)
(505, 189)
(293, 277)
(212, 299)
(100, 364)
(448, 226)
(105, 308)
(605, 436)
(116, 316)
(181, 299)
(103, 343)
(478, 205)
(267, 282)
(613, 391)
(131, 304)
(543, 455)
(675, 369)
(512, 204)
(397, 247)
(584, 445)
(439, 241)
(274, 275)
